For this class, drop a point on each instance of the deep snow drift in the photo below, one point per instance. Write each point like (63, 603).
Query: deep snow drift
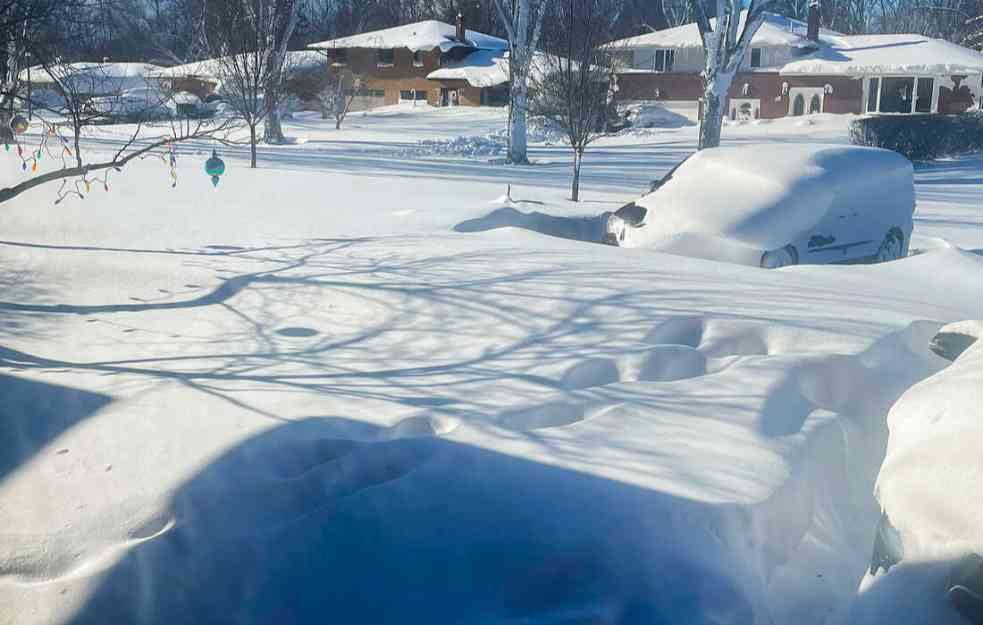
(303, 395)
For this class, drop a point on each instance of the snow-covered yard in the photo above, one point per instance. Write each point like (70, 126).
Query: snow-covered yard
(302, 397)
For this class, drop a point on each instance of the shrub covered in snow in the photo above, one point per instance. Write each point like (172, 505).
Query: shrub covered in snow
(651, 115)
(489, 145)
(921, 137)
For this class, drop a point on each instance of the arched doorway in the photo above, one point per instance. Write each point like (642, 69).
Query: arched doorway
(815, 105)
(799, 105)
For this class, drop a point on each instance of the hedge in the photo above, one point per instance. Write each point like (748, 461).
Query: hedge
(921, 137)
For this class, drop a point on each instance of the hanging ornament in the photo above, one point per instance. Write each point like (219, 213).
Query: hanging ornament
(19, 124)
(215, 167)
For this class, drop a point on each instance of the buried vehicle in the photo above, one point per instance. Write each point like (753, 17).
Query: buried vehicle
(777, 205)
(928, 550)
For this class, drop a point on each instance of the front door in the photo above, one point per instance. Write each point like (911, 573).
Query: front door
(445, 96)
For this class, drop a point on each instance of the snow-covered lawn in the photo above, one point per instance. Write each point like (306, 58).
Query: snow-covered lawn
(302, 397)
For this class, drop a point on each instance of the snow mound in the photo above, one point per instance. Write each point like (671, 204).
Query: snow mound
(469, 147)
(648, 115)
(588, 228)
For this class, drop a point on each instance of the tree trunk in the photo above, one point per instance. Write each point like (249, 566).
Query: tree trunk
(252, 146)
(714, 108)
(578, 159)
(517, 129)
(273, 131)
(519, 63)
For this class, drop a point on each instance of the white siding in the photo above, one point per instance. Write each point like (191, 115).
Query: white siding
(687, 59)
(771, 57)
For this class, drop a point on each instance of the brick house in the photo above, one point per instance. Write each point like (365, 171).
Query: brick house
(796, 68)
(427, 61)
(202, 78)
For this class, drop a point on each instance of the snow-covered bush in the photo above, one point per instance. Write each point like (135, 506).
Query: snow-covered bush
(466, 146)
(651, 115)
(921, 137)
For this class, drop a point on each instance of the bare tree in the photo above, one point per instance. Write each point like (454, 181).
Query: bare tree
(522, 30)
(61, 140)
(239, 40)
(726, 39)
(573, 87)
(335, 99)
(278, 19)
(975, 37)
(677, 12)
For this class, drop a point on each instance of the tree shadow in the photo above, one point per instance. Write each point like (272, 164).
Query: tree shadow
(33, 414)
(306, 523)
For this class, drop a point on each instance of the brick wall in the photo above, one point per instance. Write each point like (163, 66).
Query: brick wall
(403, 75)
(847, 96)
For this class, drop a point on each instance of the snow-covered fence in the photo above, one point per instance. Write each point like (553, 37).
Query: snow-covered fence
(921, 137)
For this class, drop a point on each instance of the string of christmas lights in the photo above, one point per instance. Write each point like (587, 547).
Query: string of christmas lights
(82, 185)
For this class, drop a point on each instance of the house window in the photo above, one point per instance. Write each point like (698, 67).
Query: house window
(384, 58)
(896, 94)
(755, 57)
(815, 105)
(873, 92)
(798, 105)
(339, 57)
(923, 98)
(418, 58)
(411, 95)
(664, 60)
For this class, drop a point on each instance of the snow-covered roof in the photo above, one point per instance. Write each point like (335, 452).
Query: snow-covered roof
(210, 68)
(425, 35)
(92, 77)
(776, 30)
(486, 68)
(866, 54)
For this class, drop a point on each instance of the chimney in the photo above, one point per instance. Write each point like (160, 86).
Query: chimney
(460, 28)
(813, 21)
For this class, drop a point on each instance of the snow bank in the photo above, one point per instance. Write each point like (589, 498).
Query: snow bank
(765, 196)
(932, 477)
(929, 488)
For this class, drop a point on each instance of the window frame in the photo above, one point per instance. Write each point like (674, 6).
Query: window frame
(668, 58)
(418, 58)
(339, 56)
(387, 52)
(751, 62)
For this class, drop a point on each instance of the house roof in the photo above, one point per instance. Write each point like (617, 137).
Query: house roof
(425, 35)
(211, 68)
(776, 30)
(873, 54)
(487, 68)
(93, 74)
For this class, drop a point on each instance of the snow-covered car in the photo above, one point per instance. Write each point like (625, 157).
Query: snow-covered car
(777, 205)
(929, 543)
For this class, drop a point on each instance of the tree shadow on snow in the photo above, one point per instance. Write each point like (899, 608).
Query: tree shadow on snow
(32, 414)
(325, 520)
